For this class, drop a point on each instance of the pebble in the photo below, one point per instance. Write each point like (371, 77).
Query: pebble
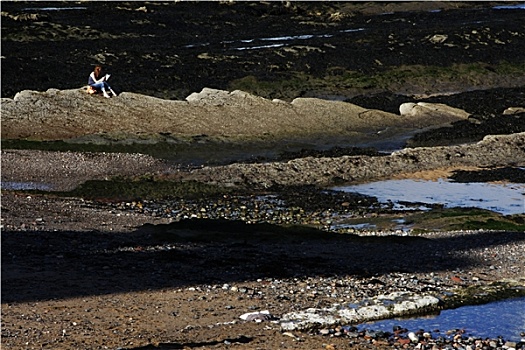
(412, 336)
(402, 338)
(313, 289)
(262, 209)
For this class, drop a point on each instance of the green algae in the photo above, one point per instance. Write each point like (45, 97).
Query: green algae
(482, 294)
(452, 219)
(438, 219)
(339, 80)
(145, 188)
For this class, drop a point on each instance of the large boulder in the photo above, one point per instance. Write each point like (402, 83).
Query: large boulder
(426, 110)
(73, 114)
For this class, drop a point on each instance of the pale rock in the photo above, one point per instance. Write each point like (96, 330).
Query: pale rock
(209, 96)
(438, 38)
(431, 110)
(214, 97)
(413, 337)
(257, 316)
(383, 306)
(514, 110)
(510, 345)
(310, 318)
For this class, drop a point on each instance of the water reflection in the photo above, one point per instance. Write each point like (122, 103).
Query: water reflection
(504, 318)
(506, 198)
(510, 7)
(22, 186)
(283, 40)
(54, 8)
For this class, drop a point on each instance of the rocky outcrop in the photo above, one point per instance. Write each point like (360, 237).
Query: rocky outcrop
(383, 306)
(497, 150)
(73, 114)
(237, 115)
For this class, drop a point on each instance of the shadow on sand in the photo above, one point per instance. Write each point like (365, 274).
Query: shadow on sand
(56, 265)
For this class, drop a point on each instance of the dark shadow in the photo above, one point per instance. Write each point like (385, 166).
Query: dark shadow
(56, 265)
(173, 346)
(510, 174)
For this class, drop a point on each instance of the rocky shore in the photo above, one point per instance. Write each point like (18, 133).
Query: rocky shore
(195, 210)
(175, 273)
(180, 273)
(212, 114)
(493, 151)
(188, 282)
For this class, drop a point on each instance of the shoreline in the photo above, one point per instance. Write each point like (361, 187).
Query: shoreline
(199, 194)
(105, 233)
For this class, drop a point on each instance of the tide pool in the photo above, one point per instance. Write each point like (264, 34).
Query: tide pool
(505, 198)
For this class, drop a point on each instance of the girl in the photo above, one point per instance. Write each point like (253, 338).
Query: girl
(99, 82)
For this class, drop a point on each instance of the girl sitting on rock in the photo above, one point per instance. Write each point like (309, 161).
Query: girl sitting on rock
(98, 82)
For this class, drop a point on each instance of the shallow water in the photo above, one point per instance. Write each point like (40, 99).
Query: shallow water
(506, 198)
(13, 185)
(510, 7)
(54, 8)
(283, 40)
(504, 318)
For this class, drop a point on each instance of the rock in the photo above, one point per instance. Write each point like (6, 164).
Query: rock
(211, 97)
(291, 335)
(384, 306)
(211, 112)
(432, 110)
(309, 318)
(413, 337)
(496, 150)
(514, 110)
(438, 38)
(257, 316)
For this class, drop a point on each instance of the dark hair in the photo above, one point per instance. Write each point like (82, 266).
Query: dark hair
(98, 71)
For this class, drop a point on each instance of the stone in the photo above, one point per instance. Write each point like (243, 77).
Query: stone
(432, 110)
(438, 38)
(413, 337)
(257, 316)
(514, 110)
(211, 112)
(404, 341)
(209, 96)
(383, 306)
